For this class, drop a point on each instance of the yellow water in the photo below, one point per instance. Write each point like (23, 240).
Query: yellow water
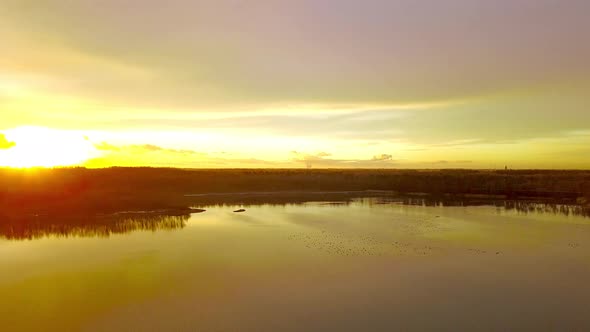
(309, 267)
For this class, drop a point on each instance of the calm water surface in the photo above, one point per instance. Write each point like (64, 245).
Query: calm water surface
(368, 265)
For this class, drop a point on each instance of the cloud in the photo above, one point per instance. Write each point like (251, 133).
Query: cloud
(5, 143)
(148, 147)
(142, 148)
(104, 146)
(309, 159)
(501, 119)
(300, 156)
(147, 154)
(321, 159)
(158, 156)
(382, 157)
(372, 123)
(224, 52)
(130, 155)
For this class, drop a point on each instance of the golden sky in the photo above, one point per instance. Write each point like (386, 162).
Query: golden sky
(307, 83)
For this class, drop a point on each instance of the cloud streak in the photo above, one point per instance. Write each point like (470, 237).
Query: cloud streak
(142, 148)
(196, 55)
(322, 159)
(382, 157)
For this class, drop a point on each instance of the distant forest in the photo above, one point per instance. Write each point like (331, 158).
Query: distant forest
(46, 191)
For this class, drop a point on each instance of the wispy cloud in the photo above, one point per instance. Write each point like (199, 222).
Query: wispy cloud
(382, 157)
(322, 159)
(142, 148)
(217, 52)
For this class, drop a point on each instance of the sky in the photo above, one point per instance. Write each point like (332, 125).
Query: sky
(306, 83)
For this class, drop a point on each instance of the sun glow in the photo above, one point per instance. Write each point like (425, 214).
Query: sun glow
(44, 147)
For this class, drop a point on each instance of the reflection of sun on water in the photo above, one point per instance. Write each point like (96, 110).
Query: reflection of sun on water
(43, 147)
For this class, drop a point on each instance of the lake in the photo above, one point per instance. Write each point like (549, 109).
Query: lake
(367, 264)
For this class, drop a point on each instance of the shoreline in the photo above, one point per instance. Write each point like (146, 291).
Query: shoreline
(112, 190)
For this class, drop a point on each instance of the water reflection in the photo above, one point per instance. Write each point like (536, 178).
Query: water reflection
(527, 207)
(36, 227)
(507, 205)
(521, 206)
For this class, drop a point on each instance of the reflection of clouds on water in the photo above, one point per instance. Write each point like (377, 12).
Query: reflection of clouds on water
(87, 226)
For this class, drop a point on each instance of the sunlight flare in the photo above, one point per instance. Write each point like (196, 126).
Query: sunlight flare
(44, 147)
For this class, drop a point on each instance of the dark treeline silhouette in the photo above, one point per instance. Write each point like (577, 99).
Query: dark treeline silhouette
(33, 227)
(80, 190)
